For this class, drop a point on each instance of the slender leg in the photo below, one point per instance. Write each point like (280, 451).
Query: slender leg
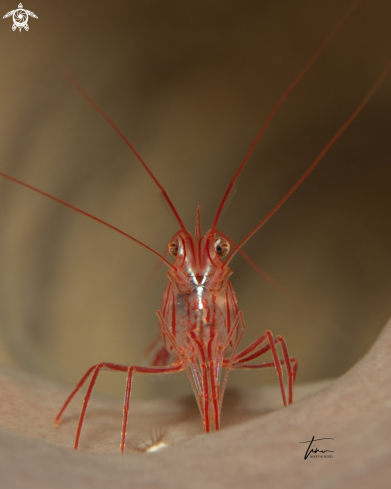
(176, 367)
(241, 356)
(278, 365)
(212, 355)
(156, 354)
(247, 366)
(204, 377)
(128, 391)
(169, 369)
(75, 390)
(288, 368)
(251, 347)
(238, 363)
(212, 375)
(249, 354)
(228, 364)
(98, 368)
(206, 397)
(152, 345)
(213, 382)
(293, 366)
(261, 351)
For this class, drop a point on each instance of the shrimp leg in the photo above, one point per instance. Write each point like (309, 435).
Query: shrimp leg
(248, 354)
(292, 360)
(176, 367)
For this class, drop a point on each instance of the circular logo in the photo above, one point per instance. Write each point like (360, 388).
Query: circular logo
(20, 18)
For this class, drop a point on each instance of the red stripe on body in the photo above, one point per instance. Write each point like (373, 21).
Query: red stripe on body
(228, 312)
(173, 317)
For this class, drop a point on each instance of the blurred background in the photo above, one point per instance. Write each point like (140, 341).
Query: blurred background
(190, 84)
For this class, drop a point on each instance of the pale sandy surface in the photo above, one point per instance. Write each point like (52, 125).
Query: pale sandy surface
(257, 447)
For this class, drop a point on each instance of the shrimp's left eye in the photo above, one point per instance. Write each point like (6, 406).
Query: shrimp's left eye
(221, 247)
(173, 247)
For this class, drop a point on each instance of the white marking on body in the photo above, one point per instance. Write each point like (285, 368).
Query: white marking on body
(199, 293)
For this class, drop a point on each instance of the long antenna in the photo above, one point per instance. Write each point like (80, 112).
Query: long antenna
(8, 177)
(315, 56)
(317, 160)
(120, 133)
(266, 276)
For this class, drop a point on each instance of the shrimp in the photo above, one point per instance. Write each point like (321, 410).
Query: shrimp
(200, 323)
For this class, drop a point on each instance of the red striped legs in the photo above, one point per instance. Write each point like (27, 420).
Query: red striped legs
(237, 331)
(118, 368)
(258, 348)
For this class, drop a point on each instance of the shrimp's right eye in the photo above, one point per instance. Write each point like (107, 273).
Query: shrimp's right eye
(173, 247)
(221, 247)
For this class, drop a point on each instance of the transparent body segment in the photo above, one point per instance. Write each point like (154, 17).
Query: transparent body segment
(197, 316)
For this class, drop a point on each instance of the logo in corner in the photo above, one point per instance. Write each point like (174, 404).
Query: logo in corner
(20, 17)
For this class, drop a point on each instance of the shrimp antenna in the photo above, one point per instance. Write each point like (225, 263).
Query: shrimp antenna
(315, 56)
(317, 160)
(120, 133)
(8, 177)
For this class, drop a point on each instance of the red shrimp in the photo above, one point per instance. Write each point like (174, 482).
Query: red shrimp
(201, 325)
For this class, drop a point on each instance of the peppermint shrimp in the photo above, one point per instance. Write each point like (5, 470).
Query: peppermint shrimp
(200, 323)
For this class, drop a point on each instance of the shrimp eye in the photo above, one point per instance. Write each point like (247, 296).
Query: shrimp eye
(221, 247)
(173, 247)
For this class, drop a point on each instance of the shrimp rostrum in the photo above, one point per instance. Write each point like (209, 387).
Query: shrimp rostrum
(201, 326)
